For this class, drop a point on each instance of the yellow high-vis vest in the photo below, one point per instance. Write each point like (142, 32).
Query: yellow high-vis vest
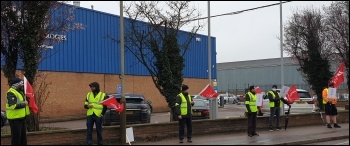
(252, 102)
(11, 112)
(183, 105)
(272, 103)
(95, 102)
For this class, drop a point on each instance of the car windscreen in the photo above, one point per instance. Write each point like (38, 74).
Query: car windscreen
(199, 103)
(200, 97)
(132, 100)
(304, 95)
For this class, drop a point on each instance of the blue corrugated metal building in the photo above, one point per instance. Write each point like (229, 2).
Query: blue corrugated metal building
(88, 50)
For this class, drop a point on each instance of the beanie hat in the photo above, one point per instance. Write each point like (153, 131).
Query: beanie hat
(15, 81)
(274, 86)
(184, 87)
(251, 87)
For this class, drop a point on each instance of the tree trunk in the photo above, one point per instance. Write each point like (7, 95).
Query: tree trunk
(173, 116)
(32, 122)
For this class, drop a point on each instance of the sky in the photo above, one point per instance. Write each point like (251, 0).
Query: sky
(250, 35)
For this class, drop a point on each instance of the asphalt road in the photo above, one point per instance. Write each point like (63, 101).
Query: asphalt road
(333, 142)
(228, 111)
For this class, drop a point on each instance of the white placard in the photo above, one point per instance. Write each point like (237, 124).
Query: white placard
(332, 93)
(284, 91)
(259, 99)
(129, 135)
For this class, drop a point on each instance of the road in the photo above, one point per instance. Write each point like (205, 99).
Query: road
(333, 142)
(300, 135)
(228, 111)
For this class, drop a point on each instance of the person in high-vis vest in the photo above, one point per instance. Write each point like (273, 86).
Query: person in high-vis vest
(251, 110)
(183, 110)
(16, 111)
(95, 112)
(330, 108)
(275, 107)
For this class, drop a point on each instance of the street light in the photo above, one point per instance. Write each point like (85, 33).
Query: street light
(122, 100)
(281, 43)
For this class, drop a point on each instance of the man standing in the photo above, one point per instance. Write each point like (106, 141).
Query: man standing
(183, 108)
(95, 112)
(330, 108)
(275, 106)
(16, 111)
(251, 109)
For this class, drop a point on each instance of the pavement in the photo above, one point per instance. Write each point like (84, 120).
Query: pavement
(291, 136)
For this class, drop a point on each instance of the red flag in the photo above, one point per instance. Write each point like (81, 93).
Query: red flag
(338, 77)
(112, 102)
(292, 94)
(257, 90)
(209, 92)
(29, 92)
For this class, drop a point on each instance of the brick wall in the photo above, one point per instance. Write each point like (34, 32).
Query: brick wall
(159, 131)
(68, 91)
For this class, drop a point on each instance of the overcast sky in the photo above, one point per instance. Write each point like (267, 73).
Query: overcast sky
(250, 35)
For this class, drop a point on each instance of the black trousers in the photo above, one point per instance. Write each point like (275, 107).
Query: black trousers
(188, 122)
(251, 123)
(18, 131)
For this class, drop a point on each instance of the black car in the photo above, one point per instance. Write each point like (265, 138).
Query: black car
(200, 109)
(3, 119)
(137, 110)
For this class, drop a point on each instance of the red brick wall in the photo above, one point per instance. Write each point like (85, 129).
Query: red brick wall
(147, 132)
(68, 91)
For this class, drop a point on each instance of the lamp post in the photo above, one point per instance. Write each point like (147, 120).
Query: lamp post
(281, 43)
(212, 102)
(122, 100)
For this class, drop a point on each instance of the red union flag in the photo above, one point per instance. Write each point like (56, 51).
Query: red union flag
(292, 94)
(208, 92)
(338, 77)
(112, 102)
(29, 92)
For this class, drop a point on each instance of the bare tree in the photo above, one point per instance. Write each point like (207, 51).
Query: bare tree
(305, 41)
(25, 27)
(151, 35)
(337, 31)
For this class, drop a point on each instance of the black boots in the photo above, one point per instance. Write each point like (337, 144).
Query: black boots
(336, 126)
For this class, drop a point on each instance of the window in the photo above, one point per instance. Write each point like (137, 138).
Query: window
(199, 103)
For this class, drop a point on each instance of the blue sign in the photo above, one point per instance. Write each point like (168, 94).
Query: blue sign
(215, 87)
(119, 89)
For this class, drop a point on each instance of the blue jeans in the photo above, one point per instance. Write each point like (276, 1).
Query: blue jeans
(90, 120)
(188, 122)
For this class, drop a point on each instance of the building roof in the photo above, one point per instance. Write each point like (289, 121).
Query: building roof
(256, 63)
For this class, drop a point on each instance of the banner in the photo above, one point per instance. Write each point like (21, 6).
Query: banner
(338, 77)
(332, 93)
(284, 91)
(208, 92)
(292, 94)
(112, 102)
(29, 92)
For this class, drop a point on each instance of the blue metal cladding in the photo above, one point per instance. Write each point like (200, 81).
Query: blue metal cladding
(89, 50)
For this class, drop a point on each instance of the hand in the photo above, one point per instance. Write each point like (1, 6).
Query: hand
(90, 106)
(192, 102)
(26, 102)
(180, 117)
